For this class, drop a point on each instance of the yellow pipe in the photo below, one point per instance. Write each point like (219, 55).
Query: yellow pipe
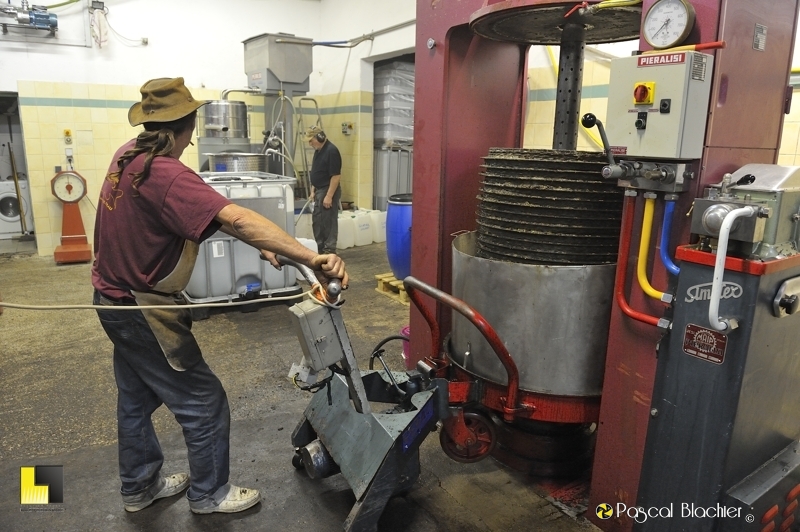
(617, 3)
(644, 251)
(554, 64)
(608, 4)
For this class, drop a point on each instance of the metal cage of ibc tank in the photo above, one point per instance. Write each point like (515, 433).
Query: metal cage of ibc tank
(227, 268)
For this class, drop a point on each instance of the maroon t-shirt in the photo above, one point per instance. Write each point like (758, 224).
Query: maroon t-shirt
(139, 234)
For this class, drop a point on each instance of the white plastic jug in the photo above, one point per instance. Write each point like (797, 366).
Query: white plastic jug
(303, 228)
(311, 244)
(363, 223)
(378, 226)
(347, 231)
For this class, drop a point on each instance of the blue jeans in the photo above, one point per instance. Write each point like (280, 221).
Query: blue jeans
(145, 381)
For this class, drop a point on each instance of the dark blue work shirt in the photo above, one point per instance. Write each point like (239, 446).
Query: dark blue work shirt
(327, 163)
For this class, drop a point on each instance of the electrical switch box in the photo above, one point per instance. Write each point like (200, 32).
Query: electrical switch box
(667, 125)
(319, 338)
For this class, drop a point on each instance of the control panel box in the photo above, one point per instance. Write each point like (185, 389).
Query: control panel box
(658, 105)
(319, 338)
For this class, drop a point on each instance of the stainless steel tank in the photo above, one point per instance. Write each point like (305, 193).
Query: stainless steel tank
(222, 127)
(553, 319)
(223, 118)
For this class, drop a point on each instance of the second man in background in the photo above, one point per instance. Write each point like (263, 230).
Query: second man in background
(326, 172)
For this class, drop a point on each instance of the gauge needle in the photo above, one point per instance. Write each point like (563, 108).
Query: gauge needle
(666, 23)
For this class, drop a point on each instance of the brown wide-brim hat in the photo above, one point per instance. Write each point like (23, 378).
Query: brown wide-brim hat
(163, 100)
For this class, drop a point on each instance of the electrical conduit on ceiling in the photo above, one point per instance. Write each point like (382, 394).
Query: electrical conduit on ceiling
(62, 4)
(350, 43)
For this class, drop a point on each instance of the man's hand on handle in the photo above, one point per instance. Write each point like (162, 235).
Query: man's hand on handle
(330, 266)
(271, 258)
(325, 267)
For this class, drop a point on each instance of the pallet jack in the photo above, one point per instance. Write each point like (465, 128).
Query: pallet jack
(376, 452)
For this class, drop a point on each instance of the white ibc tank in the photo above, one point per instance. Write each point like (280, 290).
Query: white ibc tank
(363, 222)
(226, 267)
(378, 225)
(347, 231)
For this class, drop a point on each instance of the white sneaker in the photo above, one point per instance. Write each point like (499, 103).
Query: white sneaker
(163, 487)
(236, 500)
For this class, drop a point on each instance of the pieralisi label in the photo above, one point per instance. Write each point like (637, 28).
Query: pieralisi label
(661, 59)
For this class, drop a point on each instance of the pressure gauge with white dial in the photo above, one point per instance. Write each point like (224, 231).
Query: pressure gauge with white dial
(668, 23)
(68, 186)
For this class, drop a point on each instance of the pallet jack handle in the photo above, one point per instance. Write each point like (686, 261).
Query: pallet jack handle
(334, 285)
(414, 286)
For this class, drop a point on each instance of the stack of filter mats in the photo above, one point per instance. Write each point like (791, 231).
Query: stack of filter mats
(548, 207)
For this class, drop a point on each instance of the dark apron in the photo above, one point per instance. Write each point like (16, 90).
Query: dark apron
(173, 328)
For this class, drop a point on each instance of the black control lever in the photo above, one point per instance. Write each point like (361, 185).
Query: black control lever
(588, 121)
(334, 285)
(747, 179)
(791, 304)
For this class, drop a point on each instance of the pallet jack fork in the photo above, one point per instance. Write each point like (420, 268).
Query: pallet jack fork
(376, 452)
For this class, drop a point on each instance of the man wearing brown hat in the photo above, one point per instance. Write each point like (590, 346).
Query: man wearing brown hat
(153, 213)
(326, 170)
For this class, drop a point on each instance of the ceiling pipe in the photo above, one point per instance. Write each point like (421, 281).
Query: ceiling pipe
(224, 95)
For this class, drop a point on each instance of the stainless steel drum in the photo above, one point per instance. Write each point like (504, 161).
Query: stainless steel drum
(237, 162)
(223, 118)
(553, 319)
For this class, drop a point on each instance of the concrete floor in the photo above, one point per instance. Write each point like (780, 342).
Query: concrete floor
(58, 408)
(16, 244)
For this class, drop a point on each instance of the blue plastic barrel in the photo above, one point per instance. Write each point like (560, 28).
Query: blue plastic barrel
(398, 235)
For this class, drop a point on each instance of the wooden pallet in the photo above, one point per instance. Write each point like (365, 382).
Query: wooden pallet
(389, 286)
